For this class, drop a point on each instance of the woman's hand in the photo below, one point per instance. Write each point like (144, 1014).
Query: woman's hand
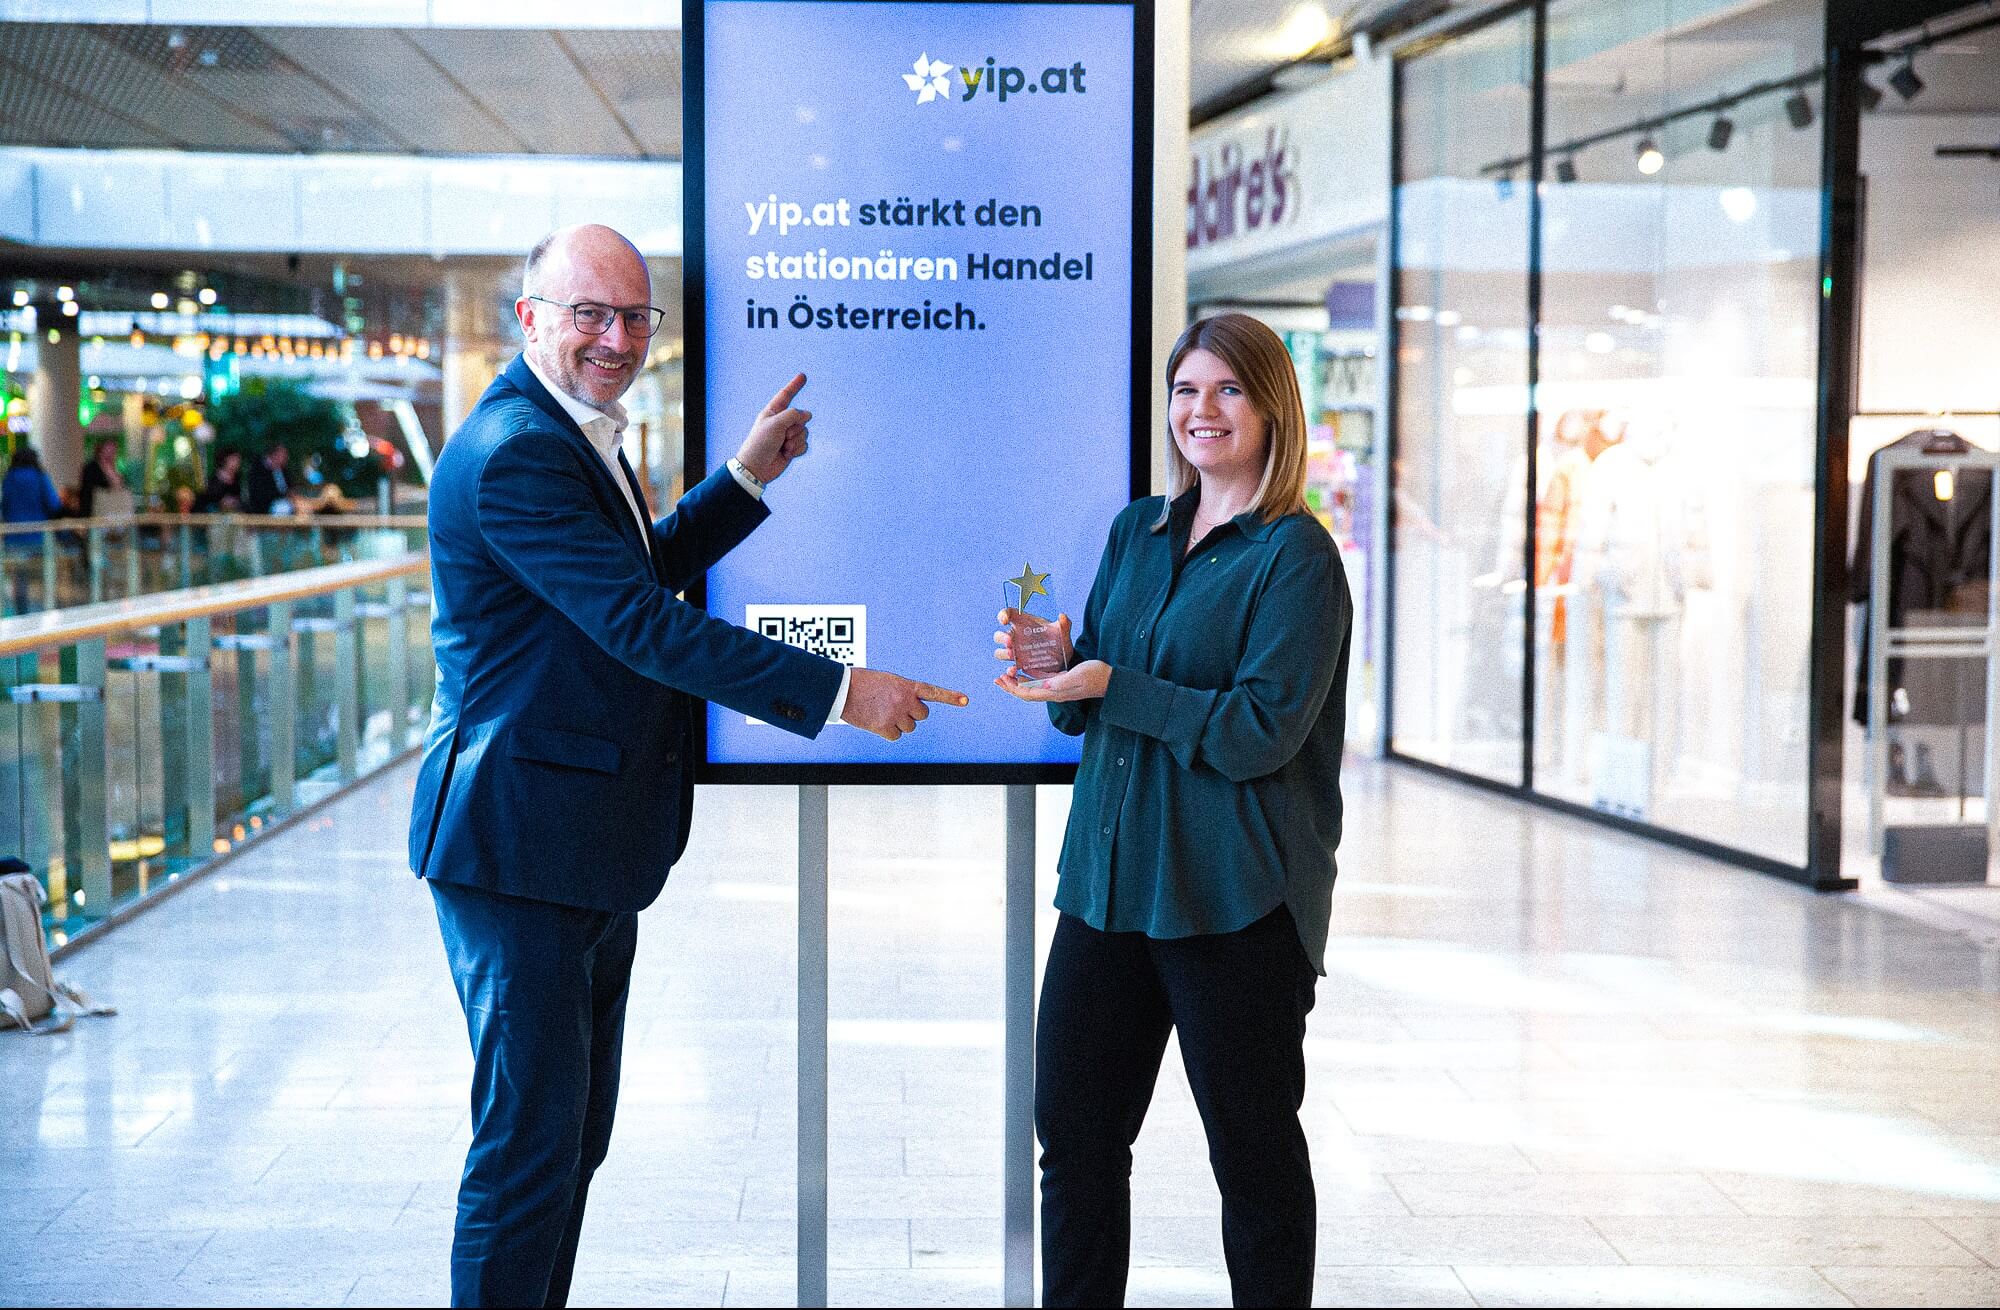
(1087, 681)
(1003, 640)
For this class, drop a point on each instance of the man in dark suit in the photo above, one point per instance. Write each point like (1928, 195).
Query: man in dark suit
(266, 484)
(554, 793)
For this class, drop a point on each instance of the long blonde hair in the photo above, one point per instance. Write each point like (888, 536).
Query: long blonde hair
(1258, 360)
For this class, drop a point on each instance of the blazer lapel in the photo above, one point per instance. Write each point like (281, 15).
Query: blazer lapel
(610, 495)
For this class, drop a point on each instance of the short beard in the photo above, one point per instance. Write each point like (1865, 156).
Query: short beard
(570, 377)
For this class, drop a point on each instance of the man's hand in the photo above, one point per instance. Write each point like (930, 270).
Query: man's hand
(889, 706)
(778, 436)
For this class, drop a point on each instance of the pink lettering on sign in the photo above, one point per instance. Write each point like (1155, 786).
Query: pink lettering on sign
(1228, 194)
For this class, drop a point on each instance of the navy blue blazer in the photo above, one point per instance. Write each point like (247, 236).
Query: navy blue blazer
(558, 762)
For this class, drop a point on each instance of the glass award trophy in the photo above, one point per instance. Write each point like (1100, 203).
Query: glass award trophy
(1036, 642)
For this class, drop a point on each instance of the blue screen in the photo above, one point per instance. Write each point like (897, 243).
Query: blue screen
(971, 388)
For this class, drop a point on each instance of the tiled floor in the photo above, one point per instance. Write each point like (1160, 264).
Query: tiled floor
(1550, 1065)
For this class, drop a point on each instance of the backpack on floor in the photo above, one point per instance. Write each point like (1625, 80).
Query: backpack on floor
(30, 996)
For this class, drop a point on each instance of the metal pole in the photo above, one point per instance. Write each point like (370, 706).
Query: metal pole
(812, 1019)
(184, 536)
(346, 685)
(399, 663)
(95, 539)
(1018, 1133)
(282, 707)
(1878, 650)
(133, 584)
(93, 799)
(199, 736)
(1992, 686)
(49, 600)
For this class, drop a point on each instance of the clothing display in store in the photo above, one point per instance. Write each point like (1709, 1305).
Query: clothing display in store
(1940, 562)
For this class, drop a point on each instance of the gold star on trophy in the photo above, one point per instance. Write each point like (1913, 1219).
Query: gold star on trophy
(1037, 644)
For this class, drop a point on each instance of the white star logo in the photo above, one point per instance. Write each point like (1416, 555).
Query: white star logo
(929, 78)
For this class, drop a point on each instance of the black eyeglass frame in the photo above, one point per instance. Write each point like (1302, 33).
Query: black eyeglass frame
(655, 315)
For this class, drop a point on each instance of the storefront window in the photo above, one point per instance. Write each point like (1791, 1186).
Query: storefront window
(1462, 402)
(1678, 351)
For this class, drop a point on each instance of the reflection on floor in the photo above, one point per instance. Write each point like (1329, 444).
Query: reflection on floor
(1551, 1065)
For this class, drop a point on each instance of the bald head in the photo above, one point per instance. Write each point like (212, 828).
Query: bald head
(586, 264)
(590, 245)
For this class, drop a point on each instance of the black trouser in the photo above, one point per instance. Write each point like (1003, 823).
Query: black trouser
(543, 987)
(1239, 1001)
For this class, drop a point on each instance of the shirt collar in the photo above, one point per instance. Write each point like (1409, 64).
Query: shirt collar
(1249, 522)
(601, 426)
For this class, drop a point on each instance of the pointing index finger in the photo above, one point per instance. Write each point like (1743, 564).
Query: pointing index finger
(939, 695)
(783, 400)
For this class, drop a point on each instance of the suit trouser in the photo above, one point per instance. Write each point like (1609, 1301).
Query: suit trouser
(543, 986)
(1239, 1001)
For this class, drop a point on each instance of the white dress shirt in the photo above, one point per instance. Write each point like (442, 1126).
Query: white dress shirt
(605, 430)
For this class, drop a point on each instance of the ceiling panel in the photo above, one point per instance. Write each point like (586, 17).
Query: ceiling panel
(37, 112)
(529, 82)
(86, 61)
(402, 88)
(640, 74)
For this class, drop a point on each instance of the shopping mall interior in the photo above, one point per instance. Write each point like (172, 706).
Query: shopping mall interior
(1652, 395)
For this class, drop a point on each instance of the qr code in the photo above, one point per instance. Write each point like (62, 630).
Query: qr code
(839, 632)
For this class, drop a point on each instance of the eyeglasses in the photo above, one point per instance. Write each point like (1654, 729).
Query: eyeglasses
(594, 320)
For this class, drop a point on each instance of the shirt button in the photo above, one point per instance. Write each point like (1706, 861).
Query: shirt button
(1107, 831)
(1121, 761)
(1142, 634)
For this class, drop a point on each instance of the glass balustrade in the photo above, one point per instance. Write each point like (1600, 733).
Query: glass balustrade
(67, 562)
(144, 737)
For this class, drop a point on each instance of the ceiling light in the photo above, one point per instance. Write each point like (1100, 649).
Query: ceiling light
(1566, 169)
(1600, 343)
(70, 308)
(206, 296)
(1304, 31)
(1739, 202)
(184, 307)
(1719, 133)
(1799, 109)
(1651, 160)
(1905, 80)
(1871, 96)
(20, 296)
(62, 293)
(159, 300)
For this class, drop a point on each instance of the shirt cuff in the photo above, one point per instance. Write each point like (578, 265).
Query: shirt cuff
(840, 697)
(757, 493)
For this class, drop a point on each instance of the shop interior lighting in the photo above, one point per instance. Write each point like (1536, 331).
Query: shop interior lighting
(206, 296)
(1305, 30)
(20, 297)
(1566, 169)
(1905, 80)
(1651, 160)
(1871, 96)
(159, 300)
(1719, 133)
(1799, 109)
(69, 308)
(64, 294)
(184, 307)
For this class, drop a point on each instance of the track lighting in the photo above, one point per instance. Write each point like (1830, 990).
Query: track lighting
(1799, 109)
(1566, 169)
(1871, 96)
(1651, 160)
(1719, 133)
(1905, 80)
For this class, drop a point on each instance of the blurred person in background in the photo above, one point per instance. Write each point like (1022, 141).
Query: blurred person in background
(27, 495)
(101, 475)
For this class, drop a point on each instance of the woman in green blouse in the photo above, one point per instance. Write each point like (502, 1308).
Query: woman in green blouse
(1209, 681)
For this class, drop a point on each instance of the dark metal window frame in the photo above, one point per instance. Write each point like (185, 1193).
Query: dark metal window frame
(1848, 26)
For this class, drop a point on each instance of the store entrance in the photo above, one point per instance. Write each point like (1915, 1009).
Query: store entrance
(1926, 431)
(1324, 304)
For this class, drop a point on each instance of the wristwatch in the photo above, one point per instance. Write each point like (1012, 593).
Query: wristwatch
(737, 467)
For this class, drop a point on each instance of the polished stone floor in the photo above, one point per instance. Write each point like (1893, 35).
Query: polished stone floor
(1550, 1065)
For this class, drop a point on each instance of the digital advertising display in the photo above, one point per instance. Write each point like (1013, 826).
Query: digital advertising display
(940, 213)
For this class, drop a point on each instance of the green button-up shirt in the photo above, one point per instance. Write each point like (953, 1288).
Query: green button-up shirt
(1209, 792)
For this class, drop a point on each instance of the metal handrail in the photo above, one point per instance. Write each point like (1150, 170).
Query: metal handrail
(83, 622)
(253, 522)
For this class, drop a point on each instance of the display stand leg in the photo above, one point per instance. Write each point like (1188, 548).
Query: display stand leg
(1018, 1134)
(812, 1019)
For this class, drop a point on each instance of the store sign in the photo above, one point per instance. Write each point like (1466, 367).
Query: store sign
(1291, 169)
(939, 213)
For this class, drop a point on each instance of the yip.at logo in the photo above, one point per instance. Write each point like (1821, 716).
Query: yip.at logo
(932, 79)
